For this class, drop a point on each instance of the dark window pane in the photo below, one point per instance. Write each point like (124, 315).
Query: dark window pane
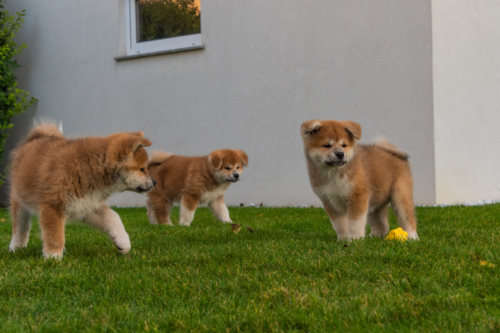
(158, 19)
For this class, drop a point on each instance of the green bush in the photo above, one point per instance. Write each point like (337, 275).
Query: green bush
(12, 100)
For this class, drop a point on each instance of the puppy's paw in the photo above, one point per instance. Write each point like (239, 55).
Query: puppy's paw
(122, 243)
(413, 235)
(377, 234)
(167, 223)
(185, 223)
(349, 238)
(13, 246)
(55, 256)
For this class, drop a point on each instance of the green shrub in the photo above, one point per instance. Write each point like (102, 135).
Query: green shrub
(12, 100)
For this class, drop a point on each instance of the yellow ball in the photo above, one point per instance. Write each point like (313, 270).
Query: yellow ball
(397, 234)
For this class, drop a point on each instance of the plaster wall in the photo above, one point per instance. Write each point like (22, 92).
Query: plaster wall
(267, 66)
(466, 70)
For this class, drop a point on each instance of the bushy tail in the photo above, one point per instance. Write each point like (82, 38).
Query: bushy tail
(45, 130)
(157, 158)
(391, 149)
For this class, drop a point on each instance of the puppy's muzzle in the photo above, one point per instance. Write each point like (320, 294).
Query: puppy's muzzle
(146, 187)
(336, 160)
(233, 178)
(339, 154)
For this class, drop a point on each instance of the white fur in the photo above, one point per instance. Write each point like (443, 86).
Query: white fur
(79, 208)
(151, 213)
(336, 190)
(55, 256)
(187, 216)
(220, 211)
(357, 228)
(108, 221)
(412, 234)
(340, 227)
(209, 197)
(22, 235)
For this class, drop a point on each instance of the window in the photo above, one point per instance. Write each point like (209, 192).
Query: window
(162, 25)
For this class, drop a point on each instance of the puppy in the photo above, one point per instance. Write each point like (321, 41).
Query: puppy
(59, 178)
(192, 181)
(356, 183)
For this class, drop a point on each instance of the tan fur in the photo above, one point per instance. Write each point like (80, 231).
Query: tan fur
(158, 157)
(59, 178)
(391, 149)
(357, 182)
(192, 181)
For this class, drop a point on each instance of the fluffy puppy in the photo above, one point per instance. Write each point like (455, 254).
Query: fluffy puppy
(59, 178)
(192, 181)
(357, 182)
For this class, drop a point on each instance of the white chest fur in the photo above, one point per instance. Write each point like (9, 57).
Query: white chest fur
(335, 190)
(79, 208)
(208, 197)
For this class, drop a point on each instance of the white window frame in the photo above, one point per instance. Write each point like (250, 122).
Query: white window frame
(159, 45)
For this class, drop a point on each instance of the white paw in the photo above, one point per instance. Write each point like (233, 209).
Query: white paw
(122, 242)
(413, 235)
(349, 238)
(185, 223)
(55, 256)
(13, 246)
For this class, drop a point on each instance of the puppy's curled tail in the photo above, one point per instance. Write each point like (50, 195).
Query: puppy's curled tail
(44, 130)
(391, 149)
(157, 158)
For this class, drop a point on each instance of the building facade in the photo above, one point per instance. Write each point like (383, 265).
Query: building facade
(423, 74)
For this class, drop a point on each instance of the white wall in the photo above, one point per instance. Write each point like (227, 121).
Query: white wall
(466, 52)
(267, 66)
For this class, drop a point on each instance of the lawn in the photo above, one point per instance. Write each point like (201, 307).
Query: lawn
(289, 275)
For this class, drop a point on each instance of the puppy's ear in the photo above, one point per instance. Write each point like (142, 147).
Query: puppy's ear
(215, 159)
(353, 128)
(138, 142)
(309, 128)
(123, 145)
(243, 156)
(141, 133)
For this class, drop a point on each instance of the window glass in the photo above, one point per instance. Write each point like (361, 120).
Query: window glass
(159, 19)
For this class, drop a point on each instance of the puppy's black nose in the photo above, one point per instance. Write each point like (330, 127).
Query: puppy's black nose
(339, 154)
(154, 181)
(236, 175)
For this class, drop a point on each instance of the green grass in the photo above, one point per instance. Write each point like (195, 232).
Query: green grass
(290, 275)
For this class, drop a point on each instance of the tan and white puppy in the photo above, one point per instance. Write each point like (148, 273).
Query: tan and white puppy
(59, 179)
(192, 181)
(355, 182)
